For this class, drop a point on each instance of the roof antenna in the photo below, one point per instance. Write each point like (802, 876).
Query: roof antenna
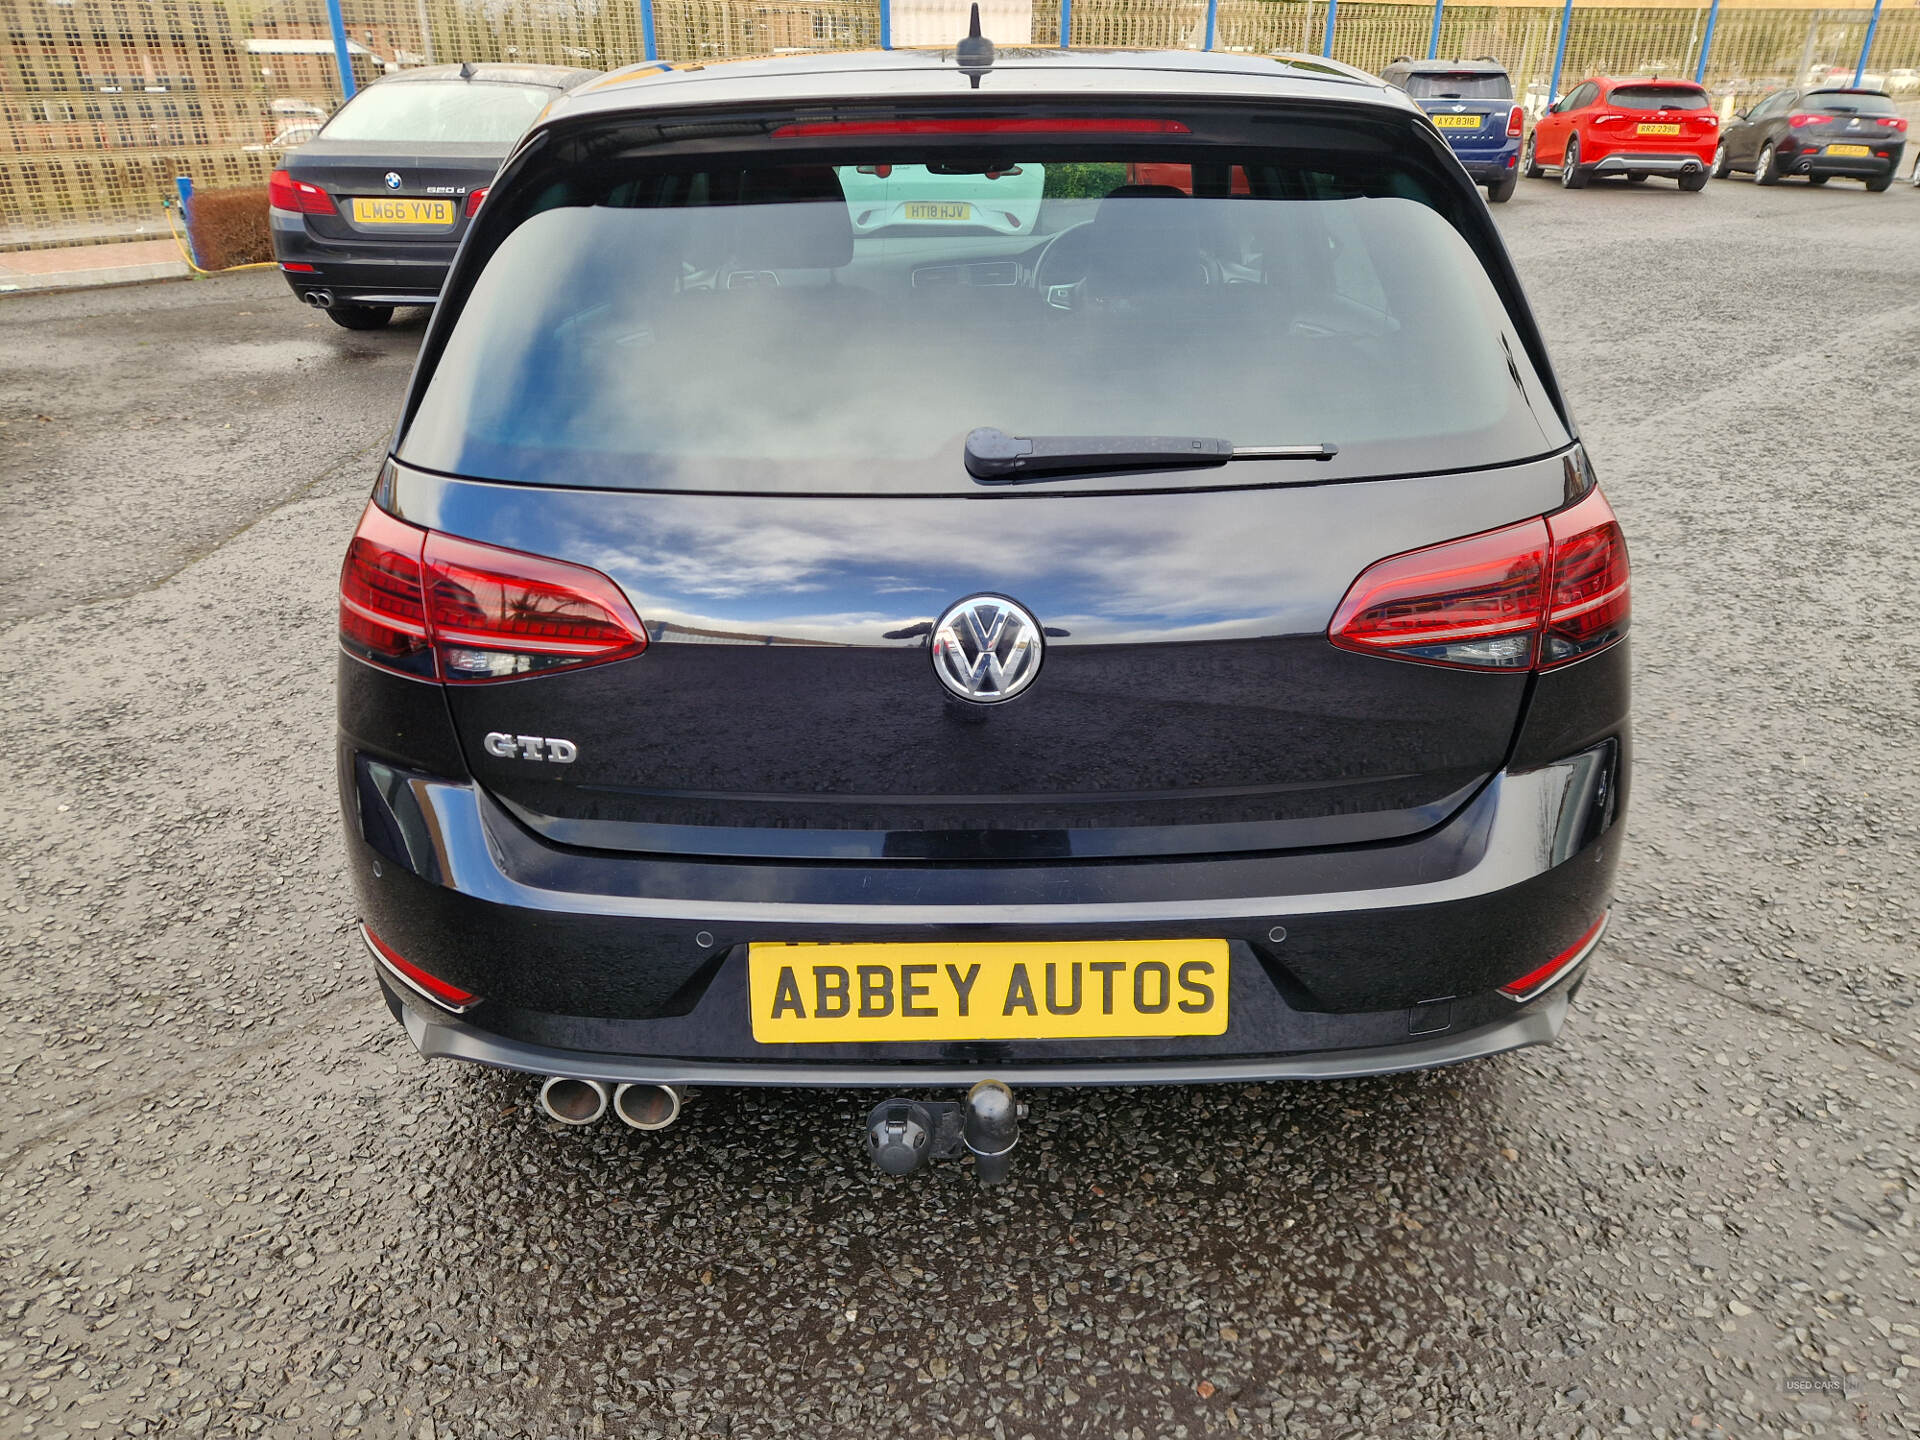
(974, 54)
(466, 70)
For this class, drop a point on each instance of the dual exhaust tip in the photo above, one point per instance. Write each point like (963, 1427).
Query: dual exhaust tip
(644, 1105)
(319, 299)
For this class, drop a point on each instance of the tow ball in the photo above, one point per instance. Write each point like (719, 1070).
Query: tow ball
(902, 1135)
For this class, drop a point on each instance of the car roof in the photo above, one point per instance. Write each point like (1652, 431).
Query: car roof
(1017, 71)
(1449, 67)
(553, 77)
(1677, 82)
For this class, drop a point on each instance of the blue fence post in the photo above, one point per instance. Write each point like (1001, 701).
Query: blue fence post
(886, 23)
(1860, 70)
(1706, 43)
(1433, 39)
(183, 186)
(652, 49)
(340, 56)
(1066, 23)
(1213, 16)
(1326, 45)
(1560, 53)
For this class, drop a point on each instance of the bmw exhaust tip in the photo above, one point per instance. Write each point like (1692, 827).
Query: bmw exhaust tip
(573, 1102)
(647, 1106)
(319, 299)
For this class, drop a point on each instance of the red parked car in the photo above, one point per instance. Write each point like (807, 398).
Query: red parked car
(1634, 128)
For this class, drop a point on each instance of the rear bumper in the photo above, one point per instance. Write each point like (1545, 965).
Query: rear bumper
(1643, 164)
(1817, 162)
(1362, 960)
(1487, 166)
(439, 1036)
(375, 273)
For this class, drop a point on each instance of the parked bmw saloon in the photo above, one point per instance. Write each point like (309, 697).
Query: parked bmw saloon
(1180, 642)
(366, 214)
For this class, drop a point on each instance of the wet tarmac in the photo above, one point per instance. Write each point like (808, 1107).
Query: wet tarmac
(233, 1201)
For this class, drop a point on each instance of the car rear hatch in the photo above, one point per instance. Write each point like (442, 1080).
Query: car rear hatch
(414, 199)
(1650, 119)
(1859, 124)
(696, 380)
(1472, 125)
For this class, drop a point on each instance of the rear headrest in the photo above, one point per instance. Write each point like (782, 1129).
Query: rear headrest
(1135, 249)
(1144, 192)
(815, 233)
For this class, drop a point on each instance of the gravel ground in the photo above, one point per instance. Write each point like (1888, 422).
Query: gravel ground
(233, 1201)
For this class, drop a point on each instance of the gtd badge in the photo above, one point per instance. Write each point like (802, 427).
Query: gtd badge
(530, 747)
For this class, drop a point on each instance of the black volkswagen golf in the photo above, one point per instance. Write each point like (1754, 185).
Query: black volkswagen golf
(830, 618)
(368, 213)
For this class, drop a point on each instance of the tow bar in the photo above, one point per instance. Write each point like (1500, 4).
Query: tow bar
(902, 1135)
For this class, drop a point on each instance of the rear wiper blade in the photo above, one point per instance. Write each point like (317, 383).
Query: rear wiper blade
(997, 458)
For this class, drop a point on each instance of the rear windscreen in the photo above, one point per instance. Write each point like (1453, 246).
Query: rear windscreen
(1849, 103)
(439, 111)
(1658, 97)
(845, 321)
(1469, 85)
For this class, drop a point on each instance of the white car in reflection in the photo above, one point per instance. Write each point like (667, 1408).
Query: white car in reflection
(884, 197)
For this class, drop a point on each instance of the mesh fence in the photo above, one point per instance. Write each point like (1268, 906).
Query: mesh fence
(103, 102)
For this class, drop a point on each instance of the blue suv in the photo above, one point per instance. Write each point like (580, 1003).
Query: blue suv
(1471, 103)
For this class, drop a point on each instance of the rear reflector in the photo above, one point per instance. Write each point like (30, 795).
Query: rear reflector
(297, 267)
(1538, 982)
(1544, 592)
(1005, 125)
(286, 193)
(434, 605)
(431, 987)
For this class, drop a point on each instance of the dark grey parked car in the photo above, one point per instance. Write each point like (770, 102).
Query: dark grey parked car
(1178, 638)
(1819, 134)
(367, 214)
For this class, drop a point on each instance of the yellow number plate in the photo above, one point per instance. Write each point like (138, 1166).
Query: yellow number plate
(1058, 990)
(1848, 150)
(382, 211)
(1659, 129)
(1457, 122)
(935, 210)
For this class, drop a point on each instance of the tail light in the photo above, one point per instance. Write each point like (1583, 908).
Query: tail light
(1515, 119)
(1540, 593)
(474, 197)
(1895, 122)
(432, 987)
(434, 605)
(1800, 122)
(1538, 982)
(286, 193)
(383, 614)
(1591, 599)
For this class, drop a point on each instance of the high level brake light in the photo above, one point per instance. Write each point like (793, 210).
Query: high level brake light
(1541, 593)
(437, 606)
(286, 193)
(986, 125)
